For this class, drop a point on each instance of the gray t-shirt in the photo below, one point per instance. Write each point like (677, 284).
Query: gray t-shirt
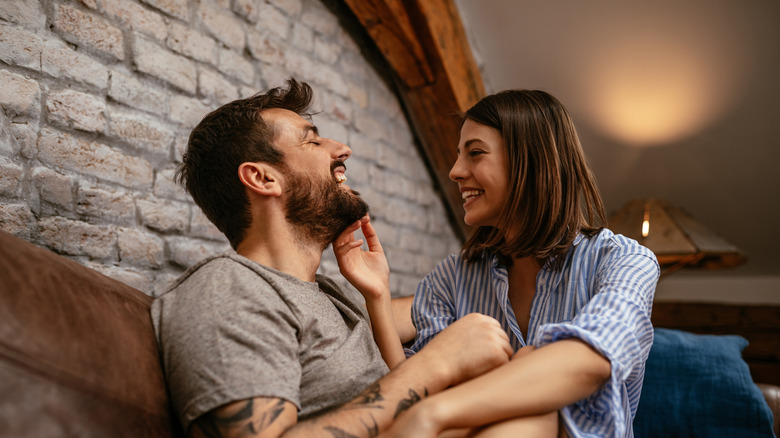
(232, 329)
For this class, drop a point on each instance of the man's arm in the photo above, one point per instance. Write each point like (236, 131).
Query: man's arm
(472, 346)
(255, 417)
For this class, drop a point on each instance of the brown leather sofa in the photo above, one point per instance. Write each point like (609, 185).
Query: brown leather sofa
(78, 356)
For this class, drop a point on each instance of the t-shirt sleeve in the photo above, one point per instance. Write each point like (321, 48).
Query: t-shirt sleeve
(616, 322)
(226, 335)
(433, 308)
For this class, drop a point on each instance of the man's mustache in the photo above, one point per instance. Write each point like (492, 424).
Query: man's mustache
(337, 163)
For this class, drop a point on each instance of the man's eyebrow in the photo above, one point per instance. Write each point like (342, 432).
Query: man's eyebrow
(310, 128)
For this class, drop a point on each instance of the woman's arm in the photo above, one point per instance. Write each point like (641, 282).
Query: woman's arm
(402, 314)
(369, 273)
(542, 381)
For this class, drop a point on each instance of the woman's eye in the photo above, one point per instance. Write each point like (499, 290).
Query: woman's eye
(474, 153)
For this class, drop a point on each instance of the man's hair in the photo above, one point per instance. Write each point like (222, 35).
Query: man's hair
(231, 135)
(553, 194)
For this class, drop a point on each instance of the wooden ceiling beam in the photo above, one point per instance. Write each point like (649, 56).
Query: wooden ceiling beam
(426, 46)
(387, 22)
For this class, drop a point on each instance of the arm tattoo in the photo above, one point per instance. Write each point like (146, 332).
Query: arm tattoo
(269, 416)
(338, 433)
(215, 425)
(409, 402)
(212, 424)
(372, 430)
(370, 398)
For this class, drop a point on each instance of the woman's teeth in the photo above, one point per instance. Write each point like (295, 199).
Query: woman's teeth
(469, 194)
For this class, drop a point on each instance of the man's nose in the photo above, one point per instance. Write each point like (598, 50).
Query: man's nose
(340, 151)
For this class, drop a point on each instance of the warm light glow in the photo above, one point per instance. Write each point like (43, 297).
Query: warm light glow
(639, 73)
(666, 79)
(650, 91)
(646, 221)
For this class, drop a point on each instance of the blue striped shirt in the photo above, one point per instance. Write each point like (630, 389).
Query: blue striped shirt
(602, 295)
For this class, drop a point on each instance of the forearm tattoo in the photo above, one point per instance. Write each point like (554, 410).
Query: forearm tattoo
(371, 430)
(243, 422)
(407, 403)
(371, 396)
(339, 433)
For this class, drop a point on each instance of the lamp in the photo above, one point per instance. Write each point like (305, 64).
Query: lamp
(676, 238)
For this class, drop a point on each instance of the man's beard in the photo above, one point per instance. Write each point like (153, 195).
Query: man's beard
(320, 209)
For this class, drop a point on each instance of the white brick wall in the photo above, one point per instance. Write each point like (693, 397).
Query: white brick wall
(98, 98)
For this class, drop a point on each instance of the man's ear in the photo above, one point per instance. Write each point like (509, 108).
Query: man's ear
(260, 178)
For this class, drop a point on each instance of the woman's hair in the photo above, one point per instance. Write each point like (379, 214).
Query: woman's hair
(553, 194)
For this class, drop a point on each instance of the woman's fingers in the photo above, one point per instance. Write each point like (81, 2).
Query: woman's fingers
(370, 234)
(347, 235)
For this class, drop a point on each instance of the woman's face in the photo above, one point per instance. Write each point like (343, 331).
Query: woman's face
(482, 173)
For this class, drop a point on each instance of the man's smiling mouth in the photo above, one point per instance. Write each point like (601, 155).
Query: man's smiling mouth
(338, 168)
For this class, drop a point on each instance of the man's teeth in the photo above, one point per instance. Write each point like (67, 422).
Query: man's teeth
(468, 194)
(340, 178)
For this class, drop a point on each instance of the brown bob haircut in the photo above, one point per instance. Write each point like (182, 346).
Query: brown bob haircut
(230, 135)
(553, 194)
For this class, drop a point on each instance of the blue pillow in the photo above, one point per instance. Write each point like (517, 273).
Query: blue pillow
(699, 386)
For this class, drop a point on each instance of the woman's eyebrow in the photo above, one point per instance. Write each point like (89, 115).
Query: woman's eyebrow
(470, 142)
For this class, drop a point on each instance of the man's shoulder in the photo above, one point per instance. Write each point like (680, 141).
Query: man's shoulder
(227, 279)
(226, 268)
(218, 265)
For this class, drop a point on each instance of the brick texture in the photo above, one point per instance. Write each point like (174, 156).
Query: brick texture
(97, 99)
(89, 30)
(19, 94)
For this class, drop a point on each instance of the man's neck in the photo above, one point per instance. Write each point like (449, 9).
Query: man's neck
(280, 248)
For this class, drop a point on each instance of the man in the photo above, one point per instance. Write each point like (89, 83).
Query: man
(253, 342)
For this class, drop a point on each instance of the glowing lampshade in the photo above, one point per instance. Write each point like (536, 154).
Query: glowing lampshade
(676, 239)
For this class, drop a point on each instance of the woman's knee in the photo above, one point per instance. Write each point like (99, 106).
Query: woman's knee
(545, 425)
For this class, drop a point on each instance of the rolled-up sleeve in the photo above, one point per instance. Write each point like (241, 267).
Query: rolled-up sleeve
(616, 323)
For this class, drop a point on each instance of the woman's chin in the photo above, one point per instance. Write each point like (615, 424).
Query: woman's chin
(471, 221)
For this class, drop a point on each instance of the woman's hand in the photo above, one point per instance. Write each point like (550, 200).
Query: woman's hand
(369, 273)
(368, 270)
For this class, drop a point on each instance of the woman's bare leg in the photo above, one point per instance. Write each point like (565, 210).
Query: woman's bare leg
(539, 426)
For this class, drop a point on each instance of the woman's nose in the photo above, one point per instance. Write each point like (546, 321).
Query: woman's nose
(457, 172)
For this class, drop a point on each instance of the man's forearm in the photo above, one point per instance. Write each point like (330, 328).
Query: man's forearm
(375, 408)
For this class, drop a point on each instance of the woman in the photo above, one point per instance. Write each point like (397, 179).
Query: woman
(574, 298)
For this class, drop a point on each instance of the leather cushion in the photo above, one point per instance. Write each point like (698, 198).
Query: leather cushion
(772, 396)
(77, 351)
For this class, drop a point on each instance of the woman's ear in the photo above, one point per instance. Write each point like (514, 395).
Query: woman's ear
(260, 178)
